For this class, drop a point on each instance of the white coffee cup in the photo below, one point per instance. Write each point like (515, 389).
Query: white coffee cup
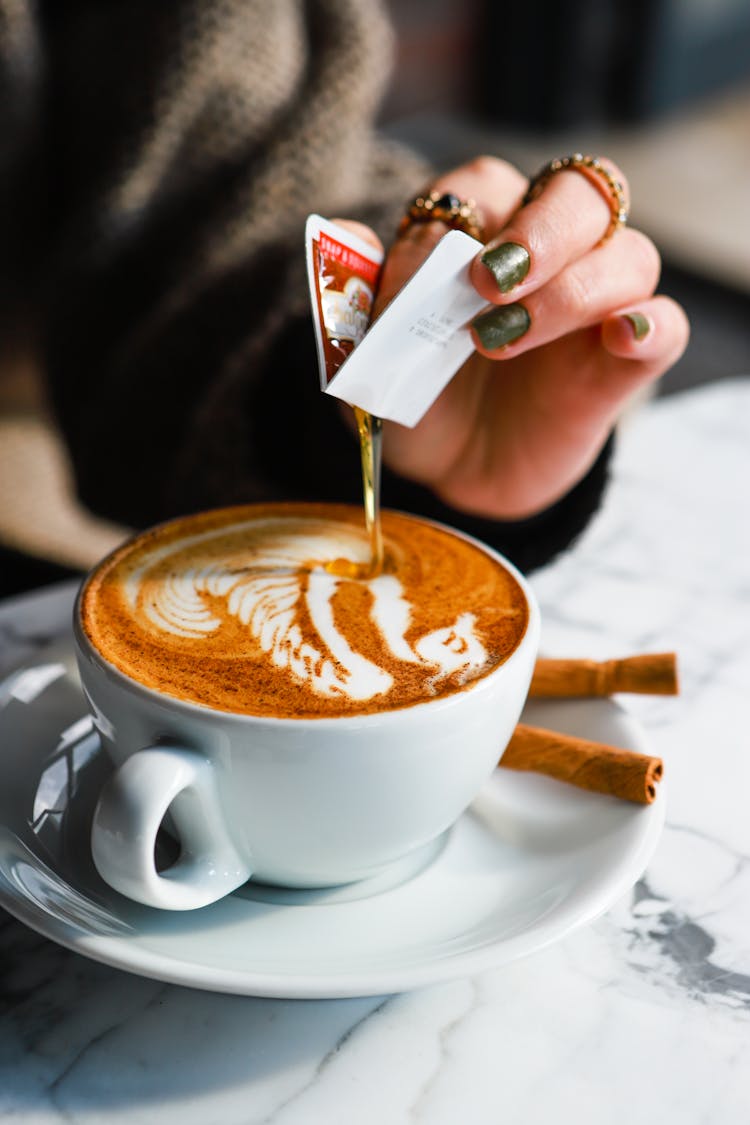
(305, 802)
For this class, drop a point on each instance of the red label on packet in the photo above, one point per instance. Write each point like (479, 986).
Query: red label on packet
(343, 272)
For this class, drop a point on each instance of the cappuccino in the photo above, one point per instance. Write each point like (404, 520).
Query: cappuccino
(249, 610)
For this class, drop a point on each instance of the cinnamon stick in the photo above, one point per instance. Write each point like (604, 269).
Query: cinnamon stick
(588, 765)
(652, 674)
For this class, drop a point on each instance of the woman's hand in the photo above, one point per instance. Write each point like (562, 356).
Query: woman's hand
(571, 332)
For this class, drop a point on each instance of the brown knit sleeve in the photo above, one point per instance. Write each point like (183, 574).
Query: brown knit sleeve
(187, 143)
(183, 146)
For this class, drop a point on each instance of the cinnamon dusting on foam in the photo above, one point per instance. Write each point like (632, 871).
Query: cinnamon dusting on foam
(237, 610)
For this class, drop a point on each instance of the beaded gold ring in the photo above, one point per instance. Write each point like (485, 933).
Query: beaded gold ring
(594, 171)
(439, 206)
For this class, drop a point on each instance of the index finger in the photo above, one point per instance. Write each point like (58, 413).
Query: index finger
(570, 215)
(496, 186)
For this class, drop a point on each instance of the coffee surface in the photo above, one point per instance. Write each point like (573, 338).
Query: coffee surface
(234, 609)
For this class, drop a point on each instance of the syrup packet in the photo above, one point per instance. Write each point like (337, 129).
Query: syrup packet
(343, 272)
(396, 368)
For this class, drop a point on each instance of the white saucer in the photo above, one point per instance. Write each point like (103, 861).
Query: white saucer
(531, 861)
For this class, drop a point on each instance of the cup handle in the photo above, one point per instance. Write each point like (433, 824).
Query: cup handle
(131, 807)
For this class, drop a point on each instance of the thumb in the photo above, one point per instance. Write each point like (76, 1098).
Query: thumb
(404, 259)
(367, 234)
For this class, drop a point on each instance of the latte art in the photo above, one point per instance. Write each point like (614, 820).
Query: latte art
(267, 597)
(236, 610)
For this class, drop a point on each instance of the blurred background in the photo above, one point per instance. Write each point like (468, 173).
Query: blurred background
(661, 86)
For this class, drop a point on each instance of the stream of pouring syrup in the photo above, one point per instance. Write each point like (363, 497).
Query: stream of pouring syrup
(370, 431)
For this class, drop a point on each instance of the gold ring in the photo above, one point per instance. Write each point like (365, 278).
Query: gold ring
(591, 167)
(441, 206)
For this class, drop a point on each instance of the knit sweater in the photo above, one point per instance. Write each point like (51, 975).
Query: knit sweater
(157, 165)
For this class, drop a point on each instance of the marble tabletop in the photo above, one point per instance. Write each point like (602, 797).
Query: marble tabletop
(641, 1017)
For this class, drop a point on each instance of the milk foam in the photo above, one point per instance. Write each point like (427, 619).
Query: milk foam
(276, 572)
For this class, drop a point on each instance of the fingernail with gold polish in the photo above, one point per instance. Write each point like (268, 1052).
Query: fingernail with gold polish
(640, 324)
(501, 326)
(508, 263)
